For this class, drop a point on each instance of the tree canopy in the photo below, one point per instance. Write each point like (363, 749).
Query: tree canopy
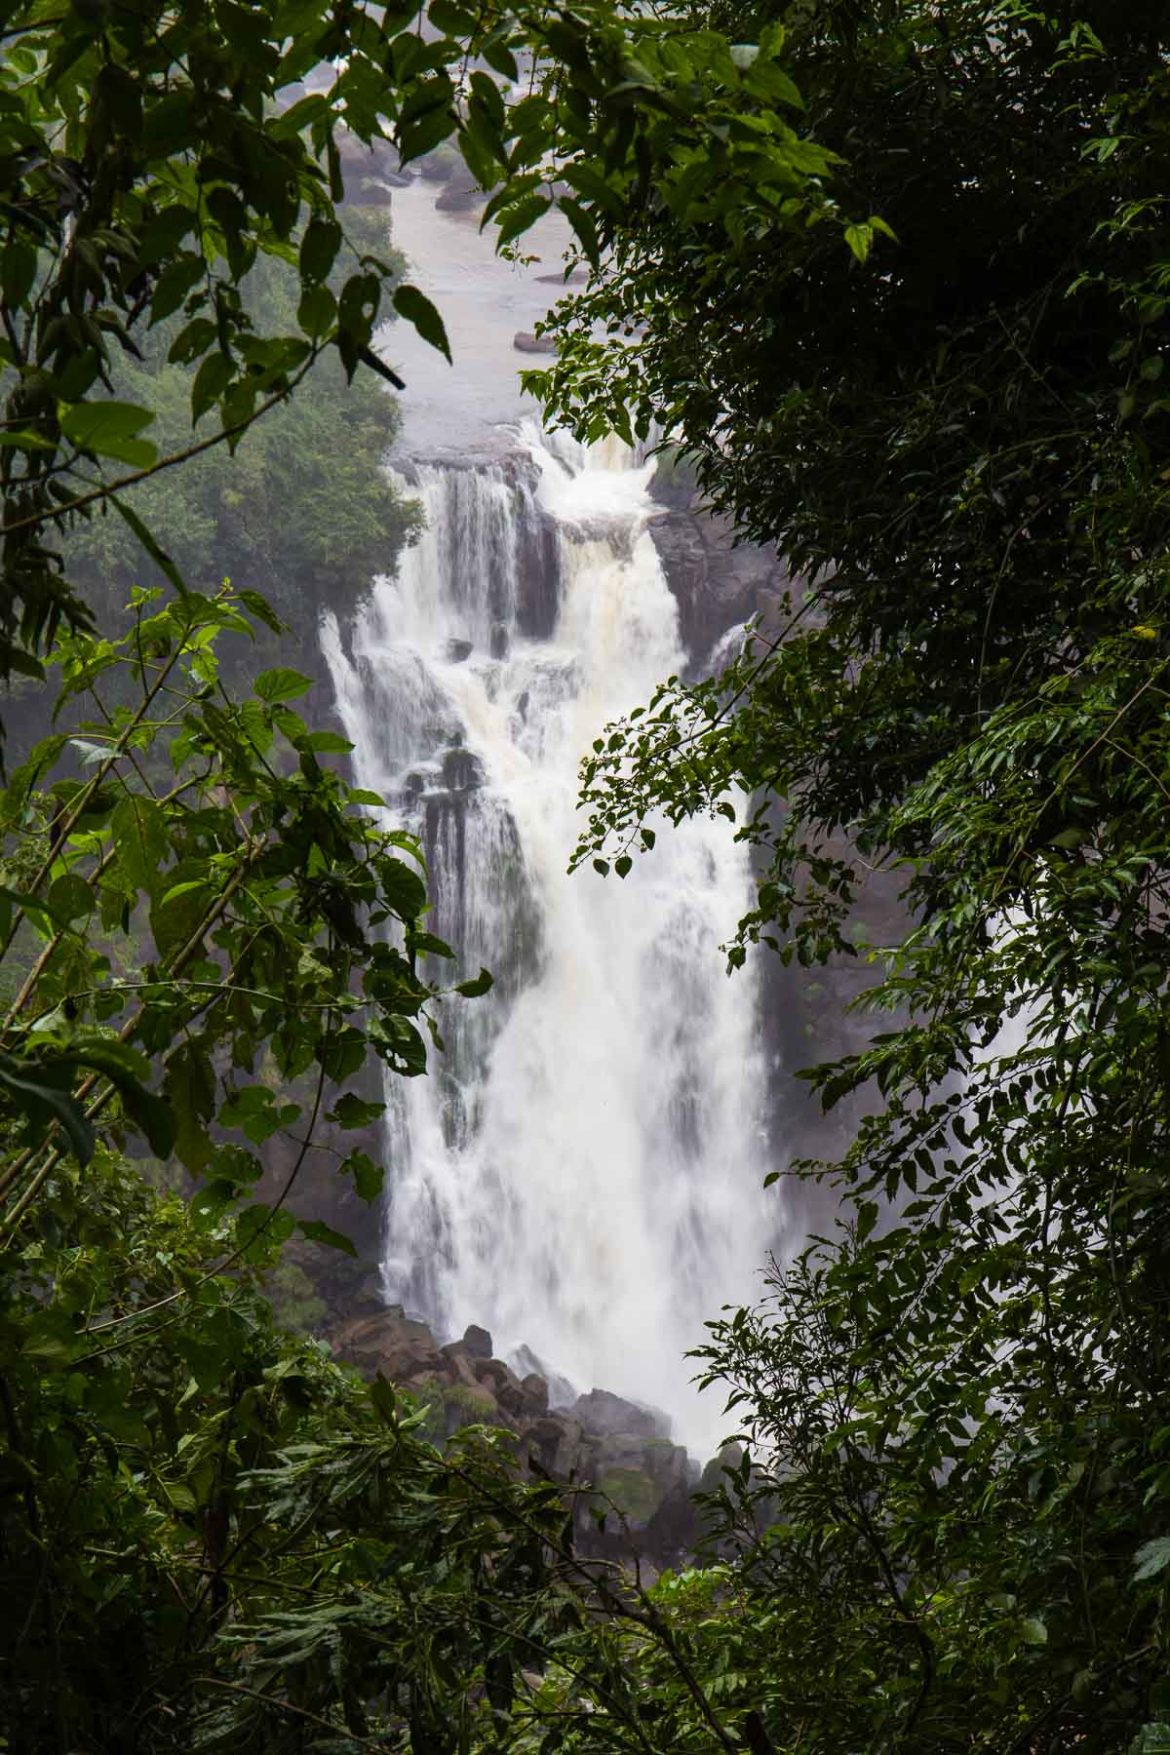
(961, 444)
(894, 276)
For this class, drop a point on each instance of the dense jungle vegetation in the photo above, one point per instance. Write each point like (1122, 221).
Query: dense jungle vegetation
(894, 276)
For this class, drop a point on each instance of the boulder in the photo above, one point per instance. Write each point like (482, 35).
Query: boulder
(557, 1444)
(461, 1365)
(389, 1342)
(468, 1405)
(413, 1361)
(459, 198)
(525, 342)
(536, 1389)
(717, 584)
(477, 1341)
(462, 771)
(603, 1412)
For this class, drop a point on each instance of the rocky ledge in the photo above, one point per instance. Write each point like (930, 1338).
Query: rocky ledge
(638, 1485)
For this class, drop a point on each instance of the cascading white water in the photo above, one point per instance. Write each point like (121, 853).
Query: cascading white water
(582, 1171)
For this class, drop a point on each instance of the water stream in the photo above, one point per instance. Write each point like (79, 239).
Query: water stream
(582, 1171)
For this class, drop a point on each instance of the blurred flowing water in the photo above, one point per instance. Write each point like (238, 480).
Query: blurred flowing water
(582, 1169)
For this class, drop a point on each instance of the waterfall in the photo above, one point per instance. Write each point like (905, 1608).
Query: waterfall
(582, 1170)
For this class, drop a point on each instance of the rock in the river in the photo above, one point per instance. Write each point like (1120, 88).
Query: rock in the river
(525, 342)
(462, 770)
(459, 198)
(459, 651)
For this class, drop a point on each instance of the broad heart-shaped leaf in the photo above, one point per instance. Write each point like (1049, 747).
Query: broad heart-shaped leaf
(281, 685)
(109, 429)
(70, 897)
(414, 305)
(260, 1231)
(140, 835)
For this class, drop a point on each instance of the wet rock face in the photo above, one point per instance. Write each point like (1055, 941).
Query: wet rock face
(636, 1497)
(603, 1412)
(716, 584)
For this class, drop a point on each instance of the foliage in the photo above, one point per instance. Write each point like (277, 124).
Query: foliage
(303, 511)
(148, 158)
(212, 1537)
(961, 1403)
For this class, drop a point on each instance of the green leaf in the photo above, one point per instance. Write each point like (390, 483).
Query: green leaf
(158, 555)
(140, 836)
(282, 685)
(325, 743)
(479, 984)
(414, 305)
(376, 364)
(318, 1232)
(126, 1069)
(521, 217)
(353, 1111)
(109, 429)
(41, 1102)
(71, 898)
(368, 1177)
(211, 380)
(1152, 1558)
(20, 901)
(316, 310)
(261, 1230)
(319, 246)
(860, 240)
(259, 607)
(189, 1086)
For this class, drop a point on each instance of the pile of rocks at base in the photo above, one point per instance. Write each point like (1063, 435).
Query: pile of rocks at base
(620, 1451)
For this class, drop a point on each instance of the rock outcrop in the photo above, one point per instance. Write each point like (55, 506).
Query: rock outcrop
(633, 1485)
(716, 583)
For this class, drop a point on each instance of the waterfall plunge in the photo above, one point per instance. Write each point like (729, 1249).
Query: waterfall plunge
(582, 1170)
